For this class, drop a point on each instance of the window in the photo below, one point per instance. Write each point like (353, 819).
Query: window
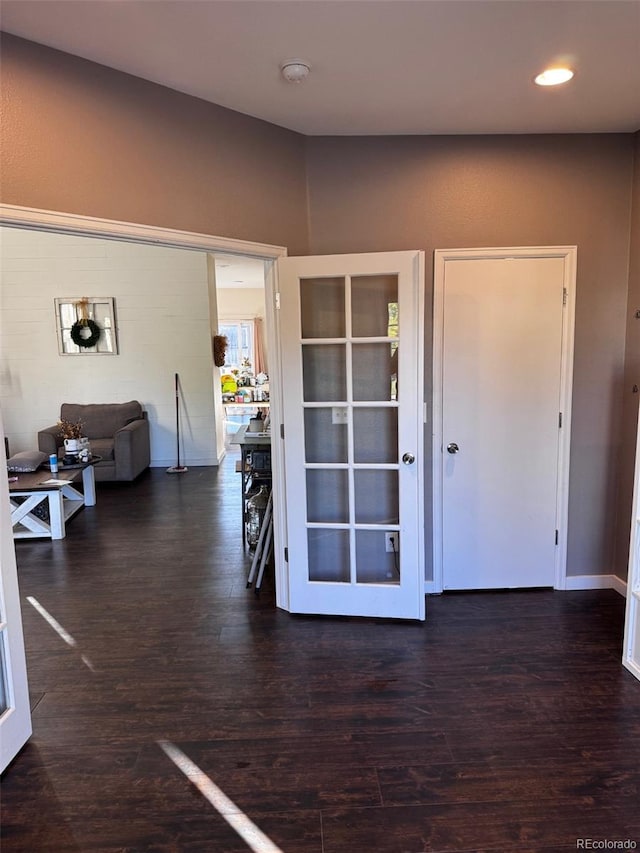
(239, 335)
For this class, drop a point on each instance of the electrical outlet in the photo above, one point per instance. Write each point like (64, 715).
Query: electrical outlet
(339, 415)
(391, 539)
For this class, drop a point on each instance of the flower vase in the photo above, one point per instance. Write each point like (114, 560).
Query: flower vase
(72, 446)
(77, 450)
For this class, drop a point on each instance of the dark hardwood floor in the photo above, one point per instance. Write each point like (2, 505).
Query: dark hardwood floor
(505, 723)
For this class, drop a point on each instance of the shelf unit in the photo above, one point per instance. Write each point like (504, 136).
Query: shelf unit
(254, 467)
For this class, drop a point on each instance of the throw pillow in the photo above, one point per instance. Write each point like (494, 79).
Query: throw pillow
(27, 460)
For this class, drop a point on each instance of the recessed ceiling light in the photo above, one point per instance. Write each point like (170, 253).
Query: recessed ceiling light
(554, 76)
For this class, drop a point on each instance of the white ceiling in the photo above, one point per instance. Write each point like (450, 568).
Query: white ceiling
(378, 66)
(236, 271)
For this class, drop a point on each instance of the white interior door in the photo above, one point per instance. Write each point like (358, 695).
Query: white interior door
(631, 647)
(15, 715)
(351, 339)
(501, 324)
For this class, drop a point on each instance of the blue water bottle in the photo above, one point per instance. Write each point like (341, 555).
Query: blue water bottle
(53, 463)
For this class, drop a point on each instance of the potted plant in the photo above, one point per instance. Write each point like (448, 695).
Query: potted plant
(71, 433)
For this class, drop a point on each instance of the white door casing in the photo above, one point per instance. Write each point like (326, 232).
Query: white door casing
(15, 715)
(503, 347)
(346, 432)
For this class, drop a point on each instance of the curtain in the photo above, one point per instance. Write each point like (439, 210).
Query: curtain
(259, 351)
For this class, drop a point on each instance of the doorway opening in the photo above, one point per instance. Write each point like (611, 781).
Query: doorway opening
(201, 245)
(244, 374)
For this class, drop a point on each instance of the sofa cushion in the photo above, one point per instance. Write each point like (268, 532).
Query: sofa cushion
(26, 460)
(101, 419)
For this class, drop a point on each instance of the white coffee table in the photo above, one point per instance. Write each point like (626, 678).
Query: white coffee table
(56, 492)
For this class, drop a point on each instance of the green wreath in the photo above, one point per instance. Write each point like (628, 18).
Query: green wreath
(89, 341)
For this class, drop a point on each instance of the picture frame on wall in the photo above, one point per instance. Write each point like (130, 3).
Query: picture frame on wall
(86, 325)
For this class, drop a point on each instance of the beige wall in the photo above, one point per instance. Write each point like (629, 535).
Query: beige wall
(386, 193)
(80, 138)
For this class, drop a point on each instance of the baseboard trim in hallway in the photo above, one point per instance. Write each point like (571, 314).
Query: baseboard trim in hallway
(597, 582)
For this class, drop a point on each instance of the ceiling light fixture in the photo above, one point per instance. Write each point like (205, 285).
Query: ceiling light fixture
(295, 70)
(554, 76)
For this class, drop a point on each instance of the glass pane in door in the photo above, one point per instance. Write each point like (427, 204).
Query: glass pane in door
(329, 559)
(324, 372)
(322, 305)
(375, 435)
(324, 440)
(373, 563)
(374, 306)
(328, 495)
(376, 497)
(375, 371)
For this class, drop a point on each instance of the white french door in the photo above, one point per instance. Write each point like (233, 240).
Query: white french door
(351, 342)
(631, 647)
(15, 715)
(503, 324)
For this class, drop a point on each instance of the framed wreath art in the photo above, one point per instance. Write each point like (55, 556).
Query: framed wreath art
(86, 326)
(85, 333)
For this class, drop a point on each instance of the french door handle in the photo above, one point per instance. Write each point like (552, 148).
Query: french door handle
(452, 448)
(408, 458)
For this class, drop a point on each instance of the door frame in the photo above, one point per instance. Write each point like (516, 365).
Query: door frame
(441, 257)
(15, 216)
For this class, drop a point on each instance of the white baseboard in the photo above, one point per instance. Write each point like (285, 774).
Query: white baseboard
(597, 582)
(632, 667)
(190, 463)
(619, 585)
(571, 583)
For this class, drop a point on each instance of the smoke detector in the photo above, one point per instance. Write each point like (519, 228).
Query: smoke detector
(295, 70)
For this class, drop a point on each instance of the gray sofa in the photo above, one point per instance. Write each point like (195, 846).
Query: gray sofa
(118, 432)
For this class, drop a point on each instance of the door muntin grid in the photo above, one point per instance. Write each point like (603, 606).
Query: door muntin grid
(350, 340)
